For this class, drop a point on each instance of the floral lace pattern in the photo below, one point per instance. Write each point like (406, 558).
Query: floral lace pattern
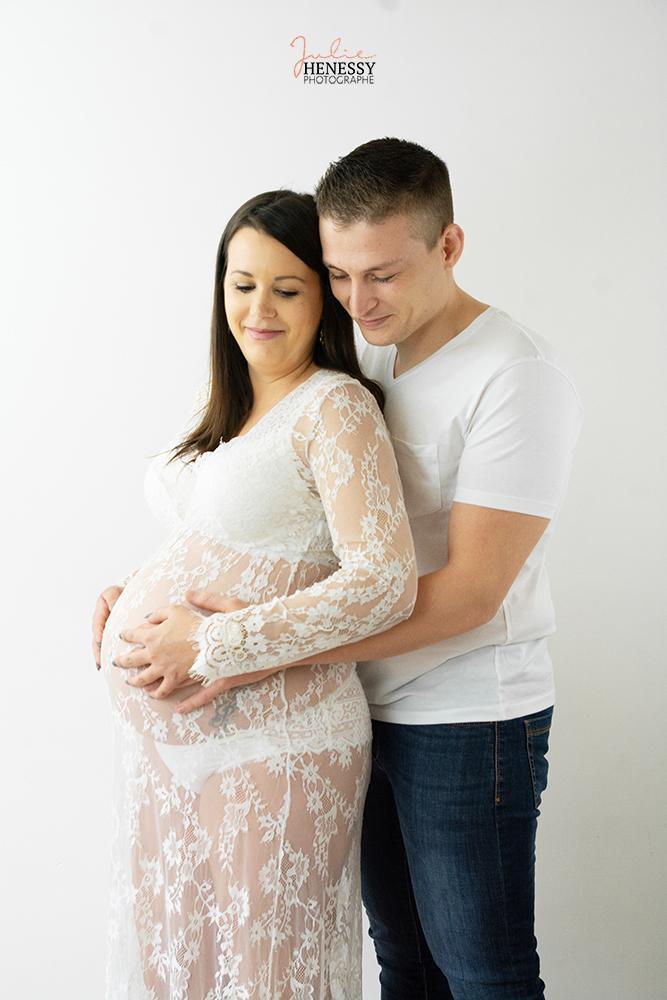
(237, 826)
(343, 449)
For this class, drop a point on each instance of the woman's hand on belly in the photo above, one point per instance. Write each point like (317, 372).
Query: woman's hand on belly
(103, 606)
(165, 650)
(165, 653)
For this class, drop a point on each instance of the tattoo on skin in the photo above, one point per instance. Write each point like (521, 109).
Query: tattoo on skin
(225, 705)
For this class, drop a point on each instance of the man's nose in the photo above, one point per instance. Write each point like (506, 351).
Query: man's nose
(362, 300)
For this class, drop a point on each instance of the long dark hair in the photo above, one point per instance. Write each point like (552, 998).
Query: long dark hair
(291, 219)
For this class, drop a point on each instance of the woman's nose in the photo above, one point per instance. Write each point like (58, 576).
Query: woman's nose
(263, 304)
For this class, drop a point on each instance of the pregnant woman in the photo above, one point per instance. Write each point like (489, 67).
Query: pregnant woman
(236, 827)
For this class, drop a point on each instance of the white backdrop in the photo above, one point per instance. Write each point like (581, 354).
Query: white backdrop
(131, 131)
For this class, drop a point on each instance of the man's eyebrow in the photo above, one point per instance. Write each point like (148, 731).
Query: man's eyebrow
(377, 267)
(278, 277)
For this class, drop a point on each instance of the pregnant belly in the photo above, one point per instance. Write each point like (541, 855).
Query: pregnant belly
(186, 562)
(129, 612)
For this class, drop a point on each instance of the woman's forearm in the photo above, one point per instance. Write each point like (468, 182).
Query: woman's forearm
(447, 605)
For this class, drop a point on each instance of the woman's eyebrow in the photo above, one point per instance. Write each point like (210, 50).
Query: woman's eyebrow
(278, 277)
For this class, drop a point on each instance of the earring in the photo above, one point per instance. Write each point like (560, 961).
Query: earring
(321, 338)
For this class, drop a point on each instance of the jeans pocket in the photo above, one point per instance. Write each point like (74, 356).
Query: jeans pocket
(537, 745)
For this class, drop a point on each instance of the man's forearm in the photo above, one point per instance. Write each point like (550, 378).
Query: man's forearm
(487, 548)
(447, 605)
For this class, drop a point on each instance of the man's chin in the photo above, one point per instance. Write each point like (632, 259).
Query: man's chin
(379, 336)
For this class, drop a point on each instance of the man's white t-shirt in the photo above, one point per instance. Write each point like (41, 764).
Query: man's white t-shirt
(491, 418)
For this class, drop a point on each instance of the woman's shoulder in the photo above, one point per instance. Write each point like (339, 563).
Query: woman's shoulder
(328, 379)
(336, 398)
(332, 387)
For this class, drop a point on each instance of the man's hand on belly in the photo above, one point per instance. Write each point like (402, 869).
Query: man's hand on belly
(211, 692)
(208, 601)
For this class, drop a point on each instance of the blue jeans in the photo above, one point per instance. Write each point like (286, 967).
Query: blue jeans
(448, 858)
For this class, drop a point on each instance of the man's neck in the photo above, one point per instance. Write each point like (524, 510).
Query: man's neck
(460, 312)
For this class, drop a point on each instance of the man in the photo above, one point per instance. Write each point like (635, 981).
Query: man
(484, 420)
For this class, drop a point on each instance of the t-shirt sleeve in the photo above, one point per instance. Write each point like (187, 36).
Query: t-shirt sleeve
(520, 440)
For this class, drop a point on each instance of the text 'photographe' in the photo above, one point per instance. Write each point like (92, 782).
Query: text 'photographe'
(338, 66)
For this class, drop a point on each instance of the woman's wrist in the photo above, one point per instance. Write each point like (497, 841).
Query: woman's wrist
(221, 651)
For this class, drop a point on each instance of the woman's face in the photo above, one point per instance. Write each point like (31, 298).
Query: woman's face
(273, 303)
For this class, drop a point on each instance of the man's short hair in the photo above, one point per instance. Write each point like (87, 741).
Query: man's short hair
(386, 177)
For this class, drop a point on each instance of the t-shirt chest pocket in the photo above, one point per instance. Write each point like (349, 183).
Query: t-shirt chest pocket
(420, 475)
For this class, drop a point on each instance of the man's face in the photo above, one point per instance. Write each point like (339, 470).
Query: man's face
(385, 276)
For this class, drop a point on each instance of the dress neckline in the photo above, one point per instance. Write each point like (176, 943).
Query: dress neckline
(273, 409)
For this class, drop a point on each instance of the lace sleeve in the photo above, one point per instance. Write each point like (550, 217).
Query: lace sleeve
(353, 467)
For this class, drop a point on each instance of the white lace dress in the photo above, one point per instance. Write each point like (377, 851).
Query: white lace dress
(236, 827)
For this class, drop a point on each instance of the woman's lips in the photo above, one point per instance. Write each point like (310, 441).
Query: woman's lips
(257, 334)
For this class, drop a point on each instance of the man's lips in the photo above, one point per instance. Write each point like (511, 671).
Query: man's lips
(378, 321)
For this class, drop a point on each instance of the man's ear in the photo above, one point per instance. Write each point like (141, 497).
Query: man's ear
(451, 245)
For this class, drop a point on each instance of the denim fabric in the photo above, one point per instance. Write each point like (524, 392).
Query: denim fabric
(448, 858)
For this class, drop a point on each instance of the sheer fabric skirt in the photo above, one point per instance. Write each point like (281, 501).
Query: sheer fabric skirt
(236, 838)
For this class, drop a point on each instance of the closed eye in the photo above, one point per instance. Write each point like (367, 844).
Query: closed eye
(374, 277)
(284, 292)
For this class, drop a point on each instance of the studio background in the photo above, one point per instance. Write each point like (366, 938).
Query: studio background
(131, 131)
